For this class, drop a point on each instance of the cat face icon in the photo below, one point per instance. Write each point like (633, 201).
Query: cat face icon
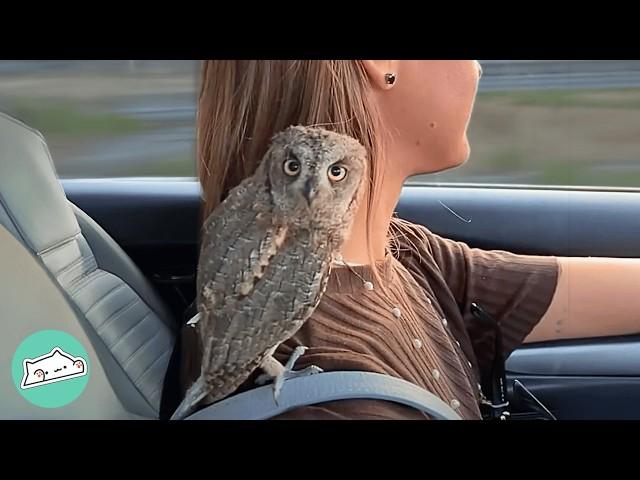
(55, 366)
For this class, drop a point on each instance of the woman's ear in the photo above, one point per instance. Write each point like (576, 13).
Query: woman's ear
(383, 73)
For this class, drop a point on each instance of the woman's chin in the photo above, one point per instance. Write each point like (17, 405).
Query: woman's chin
(455, 158)
(466, 152)
(460, 158)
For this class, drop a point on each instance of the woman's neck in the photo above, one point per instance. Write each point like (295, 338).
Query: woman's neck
(354, 250)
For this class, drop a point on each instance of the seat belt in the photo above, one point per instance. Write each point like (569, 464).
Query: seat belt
(259, 403)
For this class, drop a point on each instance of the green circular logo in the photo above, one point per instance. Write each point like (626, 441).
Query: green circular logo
(50, 368)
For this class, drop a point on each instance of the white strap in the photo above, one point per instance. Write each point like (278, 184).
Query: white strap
(259, 404)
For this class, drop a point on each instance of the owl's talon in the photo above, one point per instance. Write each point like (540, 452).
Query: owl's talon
(297, 353)
(279, 381)
(287, 373)
(290, 373)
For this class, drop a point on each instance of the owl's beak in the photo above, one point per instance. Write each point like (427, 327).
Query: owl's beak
(309, 191)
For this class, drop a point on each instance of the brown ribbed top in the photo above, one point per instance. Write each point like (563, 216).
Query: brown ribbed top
(422, 330)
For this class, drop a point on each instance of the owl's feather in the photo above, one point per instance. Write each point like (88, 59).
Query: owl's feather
(266, 255)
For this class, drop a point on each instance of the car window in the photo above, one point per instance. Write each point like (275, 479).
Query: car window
(547, 122)
(107, 118)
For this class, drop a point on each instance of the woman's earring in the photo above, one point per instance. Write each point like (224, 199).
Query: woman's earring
(390, 78)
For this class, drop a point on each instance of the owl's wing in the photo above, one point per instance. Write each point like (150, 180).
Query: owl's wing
(261, 293)
(281, 300)
(227, 234)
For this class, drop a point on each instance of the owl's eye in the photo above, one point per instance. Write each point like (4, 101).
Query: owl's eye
(291, 167)
(337, 173)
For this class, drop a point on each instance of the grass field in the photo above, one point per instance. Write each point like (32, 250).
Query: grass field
(55, 117)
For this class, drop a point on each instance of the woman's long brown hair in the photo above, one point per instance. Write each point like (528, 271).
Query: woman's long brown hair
(243, 103)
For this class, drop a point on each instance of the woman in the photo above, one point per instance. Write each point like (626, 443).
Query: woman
(401, 306)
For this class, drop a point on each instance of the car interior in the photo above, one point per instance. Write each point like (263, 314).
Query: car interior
(113, 262)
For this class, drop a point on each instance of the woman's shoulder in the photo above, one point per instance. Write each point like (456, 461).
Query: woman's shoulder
(412, 242)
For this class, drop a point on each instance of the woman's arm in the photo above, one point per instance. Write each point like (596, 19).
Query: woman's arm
(594, 297)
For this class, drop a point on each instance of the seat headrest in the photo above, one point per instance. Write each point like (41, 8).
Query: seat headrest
(31, 196)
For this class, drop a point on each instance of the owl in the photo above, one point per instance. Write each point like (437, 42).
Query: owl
(266, 256)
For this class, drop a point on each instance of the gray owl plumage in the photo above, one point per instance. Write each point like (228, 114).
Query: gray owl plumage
(266, 256)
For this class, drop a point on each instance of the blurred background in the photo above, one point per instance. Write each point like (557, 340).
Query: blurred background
(545, 122)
